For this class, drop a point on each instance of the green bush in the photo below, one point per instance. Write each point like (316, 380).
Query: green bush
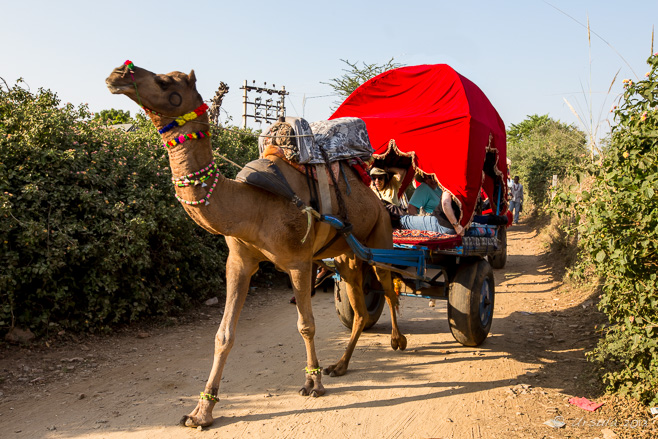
(617, 216)
(90, 232)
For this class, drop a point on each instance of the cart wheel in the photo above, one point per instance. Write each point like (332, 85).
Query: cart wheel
(499, 259)
(374, 295)
(471, 303)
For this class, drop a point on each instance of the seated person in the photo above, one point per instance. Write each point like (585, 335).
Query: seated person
(442, 218)
(426, 196)
(386, 183)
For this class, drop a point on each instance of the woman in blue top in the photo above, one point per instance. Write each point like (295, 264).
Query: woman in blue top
(440, 215)
(426, 196)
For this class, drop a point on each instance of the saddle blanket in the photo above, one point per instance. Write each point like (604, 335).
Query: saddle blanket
(341, 139)
(359, 166)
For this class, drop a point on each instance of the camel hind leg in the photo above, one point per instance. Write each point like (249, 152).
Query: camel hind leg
(351, 271)
(398, 340)
(382, 237)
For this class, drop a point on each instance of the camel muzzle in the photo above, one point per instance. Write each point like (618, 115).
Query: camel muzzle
(117, 89)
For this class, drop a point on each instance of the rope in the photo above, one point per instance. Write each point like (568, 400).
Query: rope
(230, 161)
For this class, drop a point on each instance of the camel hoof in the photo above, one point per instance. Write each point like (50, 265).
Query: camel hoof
(338, 372)
(399, 343)
(192, 422)
(317, 393)
(303, 391)
(335, 371)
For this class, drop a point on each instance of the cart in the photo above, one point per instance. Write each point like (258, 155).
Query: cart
(431, 119)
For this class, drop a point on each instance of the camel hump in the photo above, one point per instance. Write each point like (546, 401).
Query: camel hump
(320, 142)
(265, 174)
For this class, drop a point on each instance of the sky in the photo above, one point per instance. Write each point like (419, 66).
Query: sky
(527, 56)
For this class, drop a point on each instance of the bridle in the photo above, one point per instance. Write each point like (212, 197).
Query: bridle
(178, 121)
(194, 178)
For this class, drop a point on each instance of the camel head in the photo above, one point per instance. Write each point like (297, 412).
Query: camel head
(171, 94)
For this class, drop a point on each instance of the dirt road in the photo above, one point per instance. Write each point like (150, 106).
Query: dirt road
(138, 386)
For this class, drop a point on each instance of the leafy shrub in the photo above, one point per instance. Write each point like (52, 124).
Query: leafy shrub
(617, 224)
(90, 232)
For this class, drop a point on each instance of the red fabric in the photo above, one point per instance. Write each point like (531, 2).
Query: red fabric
(440, 118)
(585, 404)
(360, 167)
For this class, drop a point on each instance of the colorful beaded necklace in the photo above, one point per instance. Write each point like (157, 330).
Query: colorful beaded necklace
(195, 179)
(149, 111)
(182, 120)
(182, 138)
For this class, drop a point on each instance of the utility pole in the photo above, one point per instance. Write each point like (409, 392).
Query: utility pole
(268, 110)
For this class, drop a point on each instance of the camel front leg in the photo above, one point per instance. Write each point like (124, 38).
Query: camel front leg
(302, 281)
(398, 340)
(351, 270)
(240, 266)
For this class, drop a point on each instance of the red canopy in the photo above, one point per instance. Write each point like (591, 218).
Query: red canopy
(443, 122)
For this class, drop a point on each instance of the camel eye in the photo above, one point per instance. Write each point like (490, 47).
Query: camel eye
(175, 99)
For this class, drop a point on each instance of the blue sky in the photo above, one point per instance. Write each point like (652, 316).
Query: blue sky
(525, 55)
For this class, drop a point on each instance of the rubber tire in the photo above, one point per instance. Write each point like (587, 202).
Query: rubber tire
(499, 259)
(467, 323)
(375, 301)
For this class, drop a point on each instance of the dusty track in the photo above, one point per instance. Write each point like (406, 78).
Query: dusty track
(126, 386)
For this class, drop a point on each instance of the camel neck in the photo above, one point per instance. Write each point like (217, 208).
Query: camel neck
(194, 174)
(196, 178)
(189, 146)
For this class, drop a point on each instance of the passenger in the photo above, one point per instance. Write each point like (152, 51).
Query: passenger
(386, 183)
(426, 196)
(442, 218)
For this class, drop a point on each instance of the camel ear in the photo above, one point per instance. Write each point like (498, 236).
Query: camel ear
(191, 78)
(163, 81)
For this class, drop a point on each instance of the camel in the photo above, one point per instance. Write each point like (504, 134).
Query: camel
(258, 226)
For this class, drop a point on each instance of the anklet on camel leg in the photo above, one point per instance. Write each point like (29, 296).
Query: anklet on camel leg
(312, 372)
(313, 385)
(209, 397)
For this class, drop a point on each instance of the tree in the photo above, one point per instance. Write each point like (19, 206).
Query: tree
(520, 131)
(540, 147)
(113, 116)
(355, 76)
